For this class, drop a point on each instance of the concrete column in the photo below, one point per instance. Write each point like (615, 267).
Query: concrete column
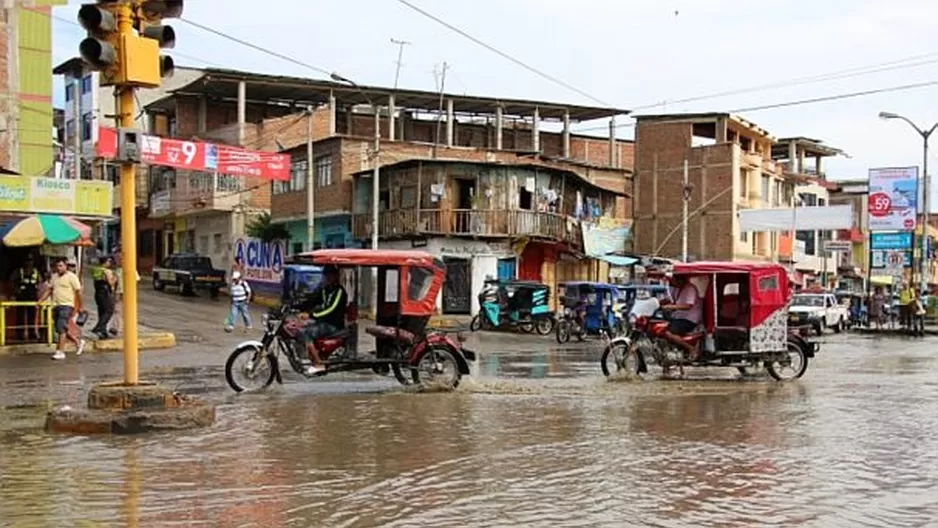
(203, 115)
(498, 127)
(612, 142)
(801, 162)
(242, 110)
(536, 130)
(348, 119)
(792, 157)
(817, 165)
(332, 114)
(566, 134)
(392, 118)
(450, 122)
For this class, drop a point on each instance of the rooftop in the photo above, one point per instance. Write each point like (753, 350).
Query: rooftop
(415, 162)
(300, 91)
(705, 117)
(810, 146)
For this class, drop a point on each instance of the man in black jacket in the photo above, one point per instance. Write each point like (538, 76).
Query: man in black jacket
(325, 308)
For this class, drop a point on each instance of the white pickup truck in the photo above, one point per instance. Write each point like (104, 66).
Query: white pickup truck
(818, 310)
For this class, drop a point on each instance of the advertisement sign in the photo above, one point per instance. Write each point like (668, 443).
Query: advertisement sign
(26, 194)
(263, 261)
(893, 199)
(890, 240)
(880, 259)
(201, 156)
(606, 238)
(838, 245)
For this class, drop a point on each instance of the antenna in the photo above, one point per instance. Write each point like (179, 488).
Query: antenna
(400, 55)
(439, 113)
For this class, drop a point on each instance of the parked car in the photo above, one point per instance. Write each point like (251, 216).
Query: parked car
(188, 272)
(819, 311)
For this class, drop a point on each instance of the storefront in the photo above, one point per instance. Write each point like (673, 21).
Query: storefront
(329, 232)
(43, 218)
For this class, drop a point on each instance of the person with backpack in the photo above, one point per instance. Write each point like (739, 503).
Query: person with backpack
(240, 292)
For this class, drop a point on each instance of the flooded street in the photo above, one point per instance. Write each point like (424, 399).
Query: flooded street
(536, 437)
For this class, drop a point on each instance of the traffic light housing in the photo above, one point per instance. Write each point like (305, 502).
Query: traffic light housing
(125, 57)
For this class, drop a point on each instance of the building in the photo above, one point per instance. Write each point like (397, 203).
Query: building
(853, 269)
(801, 159)
(87, 107)
(521, 220)
(263, 112)
(26, 141)
(730, 168)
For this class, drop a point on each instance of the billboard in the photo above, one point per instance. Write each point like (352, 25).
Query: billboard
(893, 199)
(891, 251)
(263, 261)
(826, 218)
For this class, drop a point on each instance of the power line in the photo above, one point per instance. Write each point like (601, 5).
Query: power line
(255, 46)
(800, 101)
(502, 54)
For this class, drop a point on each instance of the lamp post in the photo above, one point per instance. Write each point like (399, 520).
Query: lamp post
(923, 260)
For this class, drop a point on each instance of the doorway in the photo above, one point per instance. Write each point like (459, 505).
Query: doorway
(465, 189)
(457, 288)
(507, 268)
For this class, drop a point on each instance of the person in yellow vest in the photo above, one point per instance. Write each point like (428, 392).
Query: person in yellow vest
(906, 309)
(27, 290)
(104, 284)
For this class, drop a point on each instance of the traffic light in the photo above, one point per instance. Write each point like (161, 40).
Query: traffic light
(150, 15)
(123, 57)
(100, 49)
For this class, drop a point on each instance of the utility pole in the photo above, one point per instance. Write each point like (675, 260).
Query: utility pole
(439, 110)
(400, 55)
(76, 136)
(686, 191)
(310, 182)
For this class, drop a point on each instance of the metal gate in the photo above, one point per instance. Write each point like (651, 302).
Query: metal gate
(457, 289)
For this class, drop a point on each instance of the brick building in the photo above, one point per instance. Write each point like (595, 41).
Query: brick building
(272, 113)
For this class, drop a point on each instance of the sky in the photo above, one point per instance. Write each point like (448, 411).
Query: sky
(647, 55)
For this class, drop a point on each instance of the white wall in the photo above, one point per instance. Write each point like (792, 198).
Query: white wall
(483, 256)
(213, 237)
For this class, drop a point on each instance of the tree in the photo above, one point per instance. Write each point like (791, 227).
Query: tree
(263, 229)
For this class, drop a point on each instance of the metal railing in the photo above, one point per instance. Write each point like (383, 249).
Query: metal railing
(42, 320)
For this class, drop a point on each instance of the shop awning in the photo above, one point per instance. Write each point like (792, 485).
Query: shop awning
(882, 280)
(618, 260)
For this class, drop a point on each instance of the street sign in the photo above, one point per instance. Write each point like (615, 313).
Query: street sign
(838, 245)
(895, 261)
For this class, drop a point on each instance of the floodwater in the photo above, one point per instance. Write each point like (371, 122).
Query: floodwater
(538, 438)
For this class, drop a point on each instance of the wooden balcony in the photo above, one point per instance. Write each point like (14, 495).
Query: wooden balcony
(470, 223)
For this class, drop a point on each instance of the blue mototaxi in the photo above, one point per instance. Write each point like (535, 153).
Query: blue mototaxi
(588, 310)
(299, 280)
(524, 305)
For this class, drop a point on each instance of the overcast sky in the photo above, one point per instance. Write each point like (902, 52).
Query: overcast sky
(629, 53)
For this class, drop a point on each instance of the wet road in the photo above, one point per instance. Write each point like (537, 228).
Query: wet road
(536, 437)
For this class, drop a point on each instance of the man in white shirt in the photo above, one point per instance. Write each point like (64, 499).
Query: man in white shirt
(686, 314)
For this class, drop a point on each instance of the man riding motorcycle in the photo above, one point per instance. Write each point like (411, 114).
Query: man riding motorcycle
(324, 309)
(686, 314)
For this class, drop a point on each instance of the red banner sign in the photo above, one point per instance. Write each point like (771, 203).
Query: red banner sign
(201, 156)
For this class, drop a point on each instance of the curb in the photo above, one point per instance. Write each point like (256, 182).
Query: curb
(151, 341)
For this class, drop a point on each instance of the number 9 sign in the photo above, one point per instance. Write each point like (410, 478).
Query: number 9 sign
(879, 204)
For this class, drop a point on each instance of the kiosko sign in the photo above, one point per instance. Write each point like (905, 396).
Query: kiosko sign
(263, 261)
(26, 194)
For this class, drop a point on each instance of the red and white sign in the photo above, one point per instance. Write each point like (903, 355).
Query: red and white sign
(893, 198)
(201, 156)
(880, 204)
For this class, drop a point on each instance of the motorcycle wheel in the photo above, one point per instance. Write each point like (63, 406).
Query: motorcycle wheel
(400, 374)
(616, 358)
(544, 325)
(476, 323)
(792, 368)
(255, 360)
(437, 368)
(563, 332)
(526, 328)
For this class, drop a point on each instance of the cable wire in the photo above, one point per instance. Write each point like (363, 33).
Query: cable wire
(502, 54)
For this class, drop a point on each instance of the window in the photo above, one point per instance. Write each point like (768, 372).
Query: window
(279, 187)
(323, 171)
(768, 283)
(419, 281)
(200, 181)
(297, 176)
(391, 285)
(69, 128)
(743, 184)
(70, 91)
(297, 248)
(743, 236)
(86, 84)
(809, 241)
(227, 183)
(217, 243)
(86, 120)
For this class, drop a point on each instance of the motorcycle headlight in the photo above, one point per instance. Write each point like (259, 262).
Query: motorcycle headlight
(567, 311)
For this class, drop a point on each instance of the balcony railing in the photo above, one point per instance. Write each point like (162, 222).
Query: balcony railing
(470, 222)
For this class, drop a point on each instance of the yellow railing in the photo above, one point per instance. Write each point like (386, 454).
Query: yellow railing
(45, 322)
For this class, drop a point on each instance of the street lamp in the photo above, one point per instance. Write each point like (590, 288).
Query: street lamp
(923, 262)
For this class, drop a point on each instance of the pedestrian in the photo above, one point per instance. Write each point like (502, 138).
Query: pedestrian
(27, 291)
(878, 307)
(117, 320)
(240, 292)
(104, 284)
(906, 310)
(65, 292)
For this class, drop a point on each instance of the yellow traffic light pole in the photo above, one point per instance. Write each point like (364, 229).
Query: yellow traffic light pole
(128, 177)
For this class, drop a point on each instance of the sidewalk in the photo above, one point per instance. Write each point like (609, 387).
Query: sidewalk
(148, 338)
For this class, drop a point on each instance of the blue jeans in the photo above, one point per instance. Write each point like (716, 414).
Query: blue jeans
(239, 308)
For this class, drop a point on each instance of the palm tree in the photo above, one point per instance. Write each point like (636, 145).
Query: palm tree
(263, 229)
